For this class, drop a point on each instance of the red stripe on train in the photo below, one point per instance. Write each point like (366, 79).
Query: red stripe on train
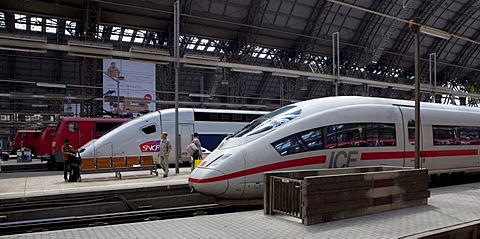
(411, 154)
(269, 167)
(323, 158)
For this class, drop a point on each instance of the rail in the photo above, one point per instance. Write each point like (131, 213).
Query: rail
(50, 224)
(118, 164)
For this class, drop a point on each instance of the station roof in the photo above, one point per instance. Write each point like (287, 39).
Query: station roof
(287, 34)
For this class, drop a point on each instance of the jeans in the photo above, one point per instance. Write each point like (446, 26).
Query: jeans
(65, 169)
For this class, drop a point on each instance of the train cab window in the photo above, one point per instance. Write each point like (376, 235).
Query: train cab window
(468, 135)
(149, 129)
(270, 121)
(72, 126)
(444, 135)
(288, 145)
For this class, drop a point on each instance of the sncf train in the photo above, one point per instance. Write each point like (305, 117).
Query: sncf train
(141, 136)
(339, 132)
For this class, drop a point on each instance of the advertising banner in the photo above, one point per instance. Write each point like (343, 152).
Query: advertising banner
(136, 81)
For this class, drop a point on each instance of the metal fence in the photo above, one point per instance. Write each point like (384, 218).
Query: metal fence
(286, 196)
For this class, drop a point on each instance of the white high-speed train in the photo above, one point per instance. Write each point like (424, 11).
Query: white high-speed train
(339, 132)
(141, 136)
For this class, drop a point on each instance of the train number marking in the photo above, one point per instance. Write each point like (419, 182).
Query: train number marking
(342, 156)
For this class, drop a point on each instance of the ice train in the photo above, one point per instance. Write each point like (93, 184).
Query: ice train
(336, 132)
(141, 136)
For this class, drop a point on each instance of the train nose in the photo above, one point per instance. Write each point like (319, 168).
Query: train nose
(208, 181)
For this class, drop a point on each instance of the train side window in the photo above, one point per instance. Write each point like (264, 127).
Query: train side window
(331, 137)
(379, 134)
(373, 136)
(149, 129)
(288, 145)
(313, 139)
(444, 135)
(351, 135)
(225, 117)
(468, 135)
(73, 126)
(411, 132)
(387, 135)
(237, 117)
(214, 117)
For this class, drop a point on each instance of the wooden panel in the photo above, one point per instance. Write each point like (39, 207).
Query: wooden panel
(88, 164)
(147, 160)
(118, 162)
(104, 163)
(133, 160)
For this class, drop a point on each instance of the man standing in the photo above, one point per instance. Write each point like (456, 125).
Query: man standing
(165, 148)
(67, 150)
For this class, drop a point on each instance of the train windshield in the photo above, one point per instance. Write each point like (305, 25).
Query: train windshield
(269, 121)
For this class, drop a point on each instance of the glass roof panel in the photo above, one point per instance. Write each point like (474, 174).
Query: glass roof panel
(20, 22)
(51, 25)
(2, 20)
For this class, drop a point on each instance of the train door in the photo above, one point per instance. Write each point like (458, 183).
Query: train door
(104, 150)
(186, 136)
(85, 132)
(73, 134)
(408, 120)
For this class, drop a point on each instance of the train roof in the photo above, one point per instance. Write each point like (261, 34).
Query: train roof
(215, 111)
(94, 119)
(28, 131)
(327, 103)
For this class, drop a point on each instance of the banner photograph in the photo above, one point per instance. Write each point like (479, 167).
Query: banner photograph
(135, 82)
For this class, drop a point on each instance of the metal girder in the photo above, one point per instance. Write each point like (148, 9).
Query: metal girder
(365, 33)
(304, 45)
(423, 13)
(60, 40)
(166, 81)
(88, 74)
(468, 51)
(91, 20)
(247, 37)
(467, 11)
(219, 76)
(377, 53)
(186, 6)
(236, 87)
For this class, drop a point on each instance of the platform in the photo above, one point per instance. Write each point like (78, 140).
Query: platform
(447, 206)
(30, 184)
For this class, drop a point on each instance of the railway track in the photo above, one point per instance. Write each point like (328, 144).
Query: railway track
(30, 226)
